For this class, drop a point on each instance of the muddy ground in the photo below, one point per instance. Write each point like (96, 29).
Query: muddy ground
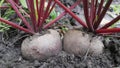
(10, 54)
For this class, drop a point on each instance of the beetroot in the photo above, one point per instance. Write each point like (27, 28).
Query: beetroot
(80, 43)
(41, 47)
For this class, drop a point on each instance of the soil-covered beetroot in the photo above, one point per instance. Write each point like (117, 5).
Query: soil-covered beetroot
(80, 43)
(41, 47)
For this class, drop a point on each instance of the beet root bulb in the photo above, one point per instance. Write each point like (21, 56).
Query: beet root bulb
(80, 43)
(42, 47)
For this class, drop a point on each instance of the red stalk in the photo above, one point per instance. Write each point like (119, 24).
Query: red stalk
(111, 22)
(102, 14)
(100, 8)
(111, 30)
(16, 26)
(2, 7)
(37, 7)
(96, 3)
(51, 9)
(92, 12)
(41, 13)
(61, 15)
(30, 4)
(19, 14)
(95, 12)
(16, 1)
(47, 10)
(86, 13)
(71, 13)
